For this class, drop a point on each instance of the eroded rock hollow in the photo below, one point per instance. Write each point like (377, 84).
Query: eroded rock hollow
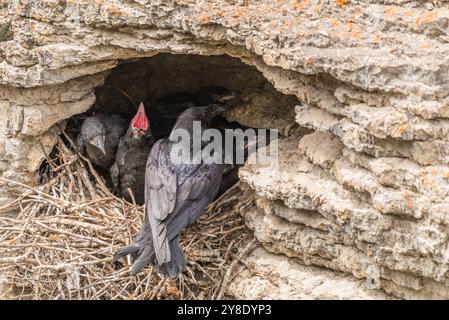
(361, 188)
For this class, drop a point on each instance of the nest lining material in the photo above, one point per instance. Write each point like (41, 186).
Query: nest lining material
(60, 244)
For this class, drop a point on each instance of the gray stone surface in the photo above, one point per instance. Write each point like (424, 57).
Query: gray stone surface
(375, 221)
(278, 277)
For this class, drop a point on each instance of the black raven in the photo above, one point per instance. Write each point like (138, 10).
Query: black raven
(127, 172)
(175, 196)
(99, 138)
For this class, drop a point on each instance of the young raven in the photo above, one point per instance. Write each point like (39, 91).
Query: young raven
(175, 196)
(99, 138)
(127, 172)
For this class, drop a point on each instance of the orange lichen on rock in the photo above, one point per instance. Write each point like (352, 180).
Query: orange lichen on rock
(407, 199)
(334, 22)
(389, 12)
(341, 3)
(426, 19)
(355, 35)
(357, 12)
(318, 8)
(429, 17)
(300, 5)
(350, 26)
(377, 39)
(114, 10)
(288, 24)
(240, 12)
(203, 19)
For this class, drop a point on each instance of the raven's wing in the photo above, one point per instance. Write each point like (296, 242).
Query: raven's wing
(193, 197)
(160, 196)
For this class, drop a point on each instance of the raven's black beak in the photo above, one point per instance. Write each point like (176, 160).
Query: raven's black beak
(227, 98)
(217, 109)
(231, 100)
(99, 143)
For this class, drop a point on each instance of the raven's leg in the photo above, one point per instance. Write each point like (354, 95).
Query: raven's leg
(132, 249)
(146, 252)
(136, 248)
(177, 263)
(146, 257)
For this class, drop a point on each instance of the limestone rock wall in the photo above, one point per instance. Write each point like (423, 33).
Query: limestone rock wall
(365, 193)
(326, 206)
(280, 277)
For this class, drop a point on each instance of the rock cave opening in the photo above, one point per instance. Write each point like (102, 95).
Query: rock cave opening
(167, 84)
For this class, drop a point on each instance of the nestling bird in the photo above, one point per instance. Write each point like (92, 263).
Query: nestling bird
(175, 196)
(127, 172)
(99, 138)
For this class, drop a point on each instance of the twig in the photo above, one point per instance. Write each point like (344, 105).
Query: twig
(227, 277)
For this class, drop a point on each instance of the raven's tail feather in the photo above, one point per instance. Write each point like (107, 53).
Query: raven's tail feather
(177, 263)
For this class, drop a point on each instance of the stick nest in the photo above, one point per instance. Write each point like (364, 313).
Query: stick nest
(59, 242)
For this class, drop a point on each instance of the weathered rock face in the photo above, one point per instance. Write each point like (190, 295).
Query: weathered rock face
(326, 206)
(279, 277)
(365, 193)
